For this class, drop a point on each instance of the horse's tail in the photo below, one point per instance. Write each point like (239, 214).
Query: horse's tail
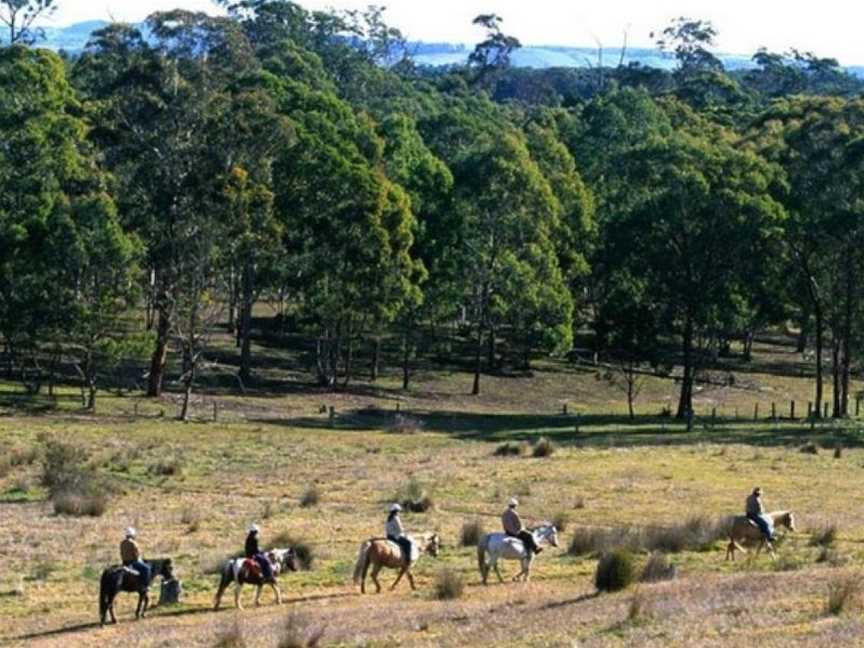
(362, 559)
(481, 556)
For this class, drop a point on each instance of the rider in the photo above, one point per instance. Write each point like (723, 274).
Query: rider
(130, 556)
(513, 527)
(396, 532)
(756, 513)
(253, 551)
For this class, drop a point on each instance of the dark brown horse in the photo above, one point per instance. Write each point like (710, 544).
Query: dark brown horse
(118, 579)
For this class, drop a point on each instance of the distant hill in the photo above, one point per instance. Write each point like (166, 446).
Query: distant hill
(73, 38)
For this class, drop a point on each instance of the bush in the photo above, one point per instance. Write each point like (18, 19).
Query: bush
(64, 470)
(166, 468)
(510, 450)
(657, 569)
(561, 520)
(413, 497)
(824, 536)
(588, 542)
(231, 638)
(311, 497)
(191, 517)
(296, 634)
(472, 531)
(543, 448)
(841, 594)
(304, 552)
(832, 557)
(616, 570)
(80, 505)
(449, 585)
(809, 448)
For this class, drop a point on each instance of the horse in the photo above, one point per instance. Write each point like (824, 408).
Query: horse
(744, 532)
(380, 553)
(116, 579)
(243, 571)
(495, 546)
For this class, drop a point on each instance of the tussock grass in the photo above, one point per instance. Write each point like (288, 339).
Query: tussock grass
(697, 533)
(616, 570)
(80, 505)
(658, 568)
(561, 520)
(824, 536)
(449, 585)
(809, 448)
(233, 637)
(842, 593)
(297, 634)
(472, 531)
(511, 450)
(543, 448)
(414, 498)
(166, 468)
(311, 497)
(191, 517)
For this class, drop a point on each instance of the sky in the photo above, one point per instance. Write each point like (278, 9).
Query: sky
(827, 28)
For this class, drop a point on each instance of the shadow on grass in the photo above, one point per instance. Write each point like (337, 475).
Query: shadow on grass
(585, 430)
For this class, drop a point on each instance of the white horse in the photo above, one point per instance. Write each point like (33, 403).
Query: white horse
(495, 546)
(241, 571)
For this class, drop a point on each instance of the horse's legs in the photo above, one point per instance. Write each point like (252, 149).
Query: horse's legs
(411, 580)
(399, 577)
(258, 589)
(237, 589)
(375, 569)
(497, 571)
(277, 592)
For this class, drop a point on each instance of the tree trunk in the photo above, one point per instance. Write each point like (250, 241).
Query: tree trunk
(631, 384)
(685, 402)
(160, 356)
(835, 374)
(349, 360)
(406, 361)
(803, 334)
(247, 300)
(478, 359)
(820, 343)
(491, 361)
(846, 349)
(376, 359)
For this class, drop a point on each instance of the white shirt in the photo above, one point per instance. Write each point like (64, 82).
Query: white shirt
(394, 527)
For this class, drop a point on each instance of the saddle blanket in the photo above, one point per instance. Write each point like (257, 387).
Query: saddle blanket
(415, 550)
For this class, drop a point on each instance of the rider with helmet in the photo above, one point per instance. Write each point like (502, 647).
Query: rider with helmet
(253, 551)
(396, 532)
(514, 528)
(130, 556)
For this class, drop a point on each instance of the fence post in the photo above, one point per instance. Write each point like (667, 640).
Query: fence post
(792, 410)
(564, 409)
(809, 409)
(756, 412)
(332, 416)
(825, 415)
(215, 412)
(713, 415)
(773, 411)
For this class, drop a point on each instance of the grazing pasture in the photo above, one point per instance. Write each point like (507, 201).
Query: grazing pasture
(192, 489)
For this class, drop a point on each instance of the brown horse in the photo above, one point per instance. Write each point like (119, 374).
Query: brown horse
(745, 533)
(118, 579)
(380, 553)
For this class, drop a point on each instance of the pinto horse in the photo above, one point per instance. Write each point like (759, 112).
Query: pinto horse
(745, 533)
(118, 579)
(380, 552)
(495, 546)
(245, 571)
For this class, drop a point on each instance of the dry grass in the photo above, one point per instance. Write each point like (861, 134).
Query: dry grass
(471, 532)
(311, 497)
(76, 505)
(449, 585)
(824, 536)
(842, 593)
(657, 569)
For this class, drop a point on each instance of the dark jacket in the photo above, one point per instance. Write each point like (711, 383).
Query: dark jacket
(252, 547)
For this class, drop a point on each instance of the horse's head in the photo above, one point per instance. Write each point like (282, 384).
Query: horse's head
(433, 545)
(163, 568)
(547, 533)
(286, 559)
(788, 520)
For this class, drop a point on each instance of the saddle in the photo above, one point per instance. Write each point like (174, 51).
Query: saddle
(251, 570)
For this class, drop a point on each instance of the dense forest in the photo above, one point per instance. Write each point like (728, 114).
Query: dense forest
(154, 189)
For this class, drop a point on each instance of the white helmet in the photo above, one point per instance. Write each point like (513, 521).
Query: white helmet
(130, 532)
(513, 503)
(395, 508)
(253, 528)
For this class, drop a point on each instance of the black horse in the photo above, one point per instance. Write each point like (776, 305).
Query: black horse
(118, 579)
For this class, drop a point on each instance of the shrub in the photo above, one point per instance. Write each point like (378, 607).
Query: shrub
(543, 448)
(579, 503)
(80, 505)
(166, 468)
(832, 557)
(561, 520)
(841, 594)
(310, 498)
(303, 550)
(616, 570)
(510, 450)
(449, 585)
(824, 536)
(472, 531)
(191, 517)
(296, 634)
(787, 563)
(231, 638)
(414, 498)
(657, 569)
(64, 469)
(838, 452)
(809, 448)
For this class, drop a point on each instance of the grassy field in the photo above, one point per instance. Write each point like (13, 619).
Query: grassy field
(191, 490)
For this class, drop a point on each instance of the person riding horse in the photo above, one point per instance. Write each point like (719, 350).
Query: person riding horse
(395, 532)
(755, 512)
(130, 556)
(514, 528)
(253, 552)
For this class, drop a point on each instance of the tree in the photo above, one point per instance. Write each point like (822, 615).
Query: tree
(19, 17)
(495, 52)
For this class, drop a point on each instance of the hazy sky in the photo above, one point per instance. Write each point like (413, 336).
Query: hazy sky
(829, 28)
